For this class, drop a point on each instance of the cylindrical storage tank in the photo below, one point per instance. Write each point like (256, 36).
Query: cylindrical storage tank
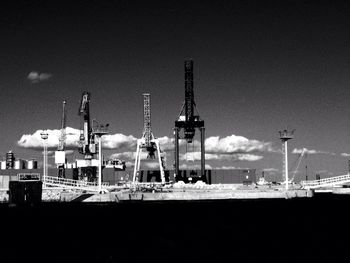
(10, 159)
(32, 164)
(19, 164)
(3, 165)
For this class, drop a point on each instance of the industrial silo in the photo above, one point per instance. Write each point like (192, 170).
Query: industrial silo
(19, 164)
(32, 164)
(3, 165)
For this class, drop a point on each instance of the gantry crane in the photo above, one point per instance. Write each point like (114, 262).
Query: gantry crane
(60, 154)
(188, 121)
(148, 141)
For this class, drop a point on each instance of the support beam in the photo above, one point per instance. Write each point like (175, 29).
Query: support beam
(176, 133)
(136, 161)
(286, 162)
(202, 130)
(99, 164)
(160, 163)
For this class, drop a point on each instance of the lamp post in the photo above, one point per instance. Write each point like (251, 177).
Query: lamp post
(44, 136)
(99, 131)
(284, 137)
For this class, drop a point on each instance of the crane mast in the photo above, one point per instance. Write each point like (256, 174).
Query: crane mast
(147, 128)
(148, 141)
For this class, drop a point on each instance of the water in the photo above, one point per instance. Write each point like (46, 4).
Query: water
(297, 229)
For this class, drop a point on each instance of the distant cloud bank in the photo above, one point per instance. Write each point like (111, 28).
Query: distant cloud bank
(36, 77)
(228, 149)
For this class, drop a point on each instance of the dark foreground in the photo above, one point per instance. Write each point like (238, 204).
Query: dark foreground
(296, 230)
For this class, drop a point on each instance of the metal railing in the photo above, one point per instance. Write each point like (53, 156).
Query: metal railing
(330, 181)
(72, 184)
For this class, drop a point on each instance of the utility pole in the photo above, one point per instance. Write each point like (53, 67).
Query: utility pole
(99, 131)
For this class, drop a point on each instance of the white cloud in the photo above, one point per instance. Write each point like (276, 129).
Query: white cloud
(271, 170)
(236, 144)
(118, 140)
(114, 141)
(34, 141)
(36, 77)
(215, 144)
(226, 167)
(129, 155)
(192, 166)
(151, 165)
(196, 156)
(345, 154)
(307, 151)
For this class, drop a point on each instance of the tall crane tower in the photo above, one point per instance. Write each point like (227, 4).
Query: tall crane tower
(60, 154)
(148, 141)
(188, 121)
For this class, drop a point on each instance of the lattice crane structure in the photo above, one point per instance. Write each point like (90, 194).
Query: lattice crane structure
(148, 141)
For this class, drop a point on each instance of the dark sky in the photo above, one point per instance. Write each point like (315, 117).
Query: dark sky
(260, 66)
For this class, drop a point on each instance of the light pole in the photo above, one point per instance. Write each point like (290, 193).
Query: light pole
(285, 136)
(99, 131)
(44, 136)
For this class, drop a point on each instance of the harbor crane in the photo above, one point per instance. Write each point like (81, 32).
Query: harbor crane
(148, 141)
(188, 121)
(88, 146)
(87, 142)
(60, 154)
